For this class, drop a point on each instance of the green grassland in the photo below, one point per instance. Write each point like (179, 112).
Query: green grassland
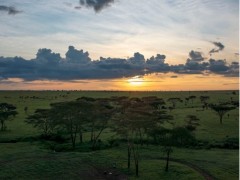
(27, 159)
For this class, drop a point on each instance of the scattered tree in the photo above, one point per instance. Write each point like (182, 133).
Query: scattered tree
(221, 110)
(174, 101)
(7, 112)
(192, 122)
(192, 98)
(41, 120)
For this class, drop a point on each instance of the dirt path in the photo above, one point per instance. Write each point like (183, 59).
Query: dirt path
(201, 171)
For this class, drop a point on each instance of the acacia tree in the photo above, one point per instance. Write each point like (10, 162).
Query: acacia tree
(192, 122)
(135, 119)
(41, 120)
(168, 138)
(71, 115)
(192, 98)
(204, 101)
(174, 101)
(7, 112)
(221, 110)
(100, 115)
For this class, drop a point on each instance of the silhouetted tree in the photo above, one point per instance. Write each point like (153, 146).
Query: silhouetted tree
(192, 122)
(221, 110)
(174, 101)
(72, 116)
(102, 112)
(7, 111)
(192, 98)
(135, 119)
(41, 119)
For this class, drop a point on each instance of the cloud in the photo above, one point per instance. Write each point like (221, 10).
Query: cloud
(10, 10)
(46, 56)
(77, 7)
(159, 59)
(138, 59)
(75, 56)
(196, 56)
(77, 65)
(97, 5)
(218, 65)
(219, 46)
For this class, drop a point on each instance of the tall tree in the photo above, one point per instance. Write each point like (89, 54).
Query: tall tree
(7, 112)
(221, 110)
(72, 116)
(101, 113)
(41, 120)
(135, 118)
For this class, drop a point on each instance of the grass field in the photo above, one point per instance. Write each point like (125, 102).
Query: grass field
(31, 160)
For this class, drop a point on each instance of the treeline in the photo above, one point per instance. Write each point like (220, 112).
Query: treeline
(137, 121)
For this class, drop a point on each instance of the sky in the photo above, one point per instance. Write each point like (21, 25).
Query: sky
(119, 44)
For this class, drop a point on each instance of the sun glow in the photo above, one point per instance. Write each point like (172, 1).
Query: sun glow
(136, 81)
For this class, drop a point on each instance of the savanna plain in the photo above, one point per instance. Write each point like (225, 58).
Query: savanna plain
(119, 135)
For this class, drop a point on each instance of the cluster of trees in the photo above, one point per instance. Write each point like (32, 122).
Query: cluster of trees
(74, 117)
(137, 121)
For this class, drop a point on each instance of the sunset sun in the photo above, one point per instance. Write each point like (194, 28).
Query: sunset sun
(136, 81)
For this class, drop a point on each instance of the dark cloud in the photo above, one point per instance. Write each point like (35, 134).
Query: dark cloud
(159, 59)
(46, 56)
(77, 65)
(196, 56)
(9, 9)
(218, 66)
(97, 5)
(77, 56)
(219, 46)
(138, 59)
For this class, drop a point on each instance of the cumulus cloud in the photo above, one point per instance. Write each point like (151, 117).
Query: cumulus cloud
(97, 5)
(9, 9)
(219, 47)
(46, 56)
(159, 59)
(196, 56)
(77, 65)
(77, 56)
(138, 59)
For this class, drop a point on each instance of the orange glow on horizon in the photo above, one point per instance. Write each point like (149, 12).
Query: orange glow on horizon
(151, 82)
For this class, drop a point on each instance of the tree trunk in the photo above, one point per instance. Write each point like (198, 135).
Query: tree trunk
(167, 164)
(221, 117)
(91, 140)
(91, 135)
(136, 166)
(72, 139)
(129, 157)
(95, 138)
(2, 125)
(80, 137)
(140, 134)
